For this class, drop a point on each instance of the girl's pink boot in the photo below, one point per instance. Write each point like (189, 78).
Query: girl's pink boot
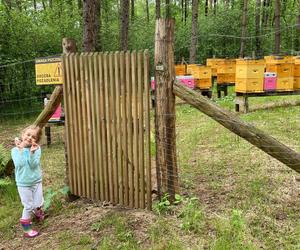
(27, 227)
(39, 214)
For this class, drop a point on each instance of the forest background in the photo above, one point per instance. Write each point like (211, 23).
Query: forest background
(207, 28)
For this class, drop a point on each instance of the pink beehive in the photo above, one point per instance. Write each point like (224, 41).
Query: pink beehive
(152, 83)
(188, 81)
(270, 79)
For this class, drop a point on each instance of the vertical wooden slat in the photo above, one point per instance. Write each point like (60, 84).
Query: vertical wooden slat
(68, 118)
(129, 129)
(108, 126)
(88, 122)
(83, 75)
(78, 126)
(92, 127)
(98, 138)
(140, 138)
(113, 127)
(104, 143)
(118, 128)
(73, 107)
(124, 129)
(147, 129)
(135, 128)
(81, 103)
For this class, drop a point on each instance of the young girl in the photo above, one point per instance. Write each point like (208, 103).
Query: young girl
(26, 157)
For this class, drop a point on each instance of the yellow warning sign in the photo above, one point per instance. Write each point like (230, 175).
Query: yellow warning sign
(48, 70)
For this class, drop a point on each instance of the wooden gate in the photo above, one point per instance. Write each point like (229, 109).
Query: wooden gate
(107, 110)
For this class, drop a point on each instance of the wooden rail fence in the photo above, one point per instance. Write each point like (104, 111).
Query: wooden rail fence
(107, 110)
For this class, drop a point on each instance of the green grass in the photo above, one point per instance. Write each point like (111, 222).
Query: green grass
(234, 196)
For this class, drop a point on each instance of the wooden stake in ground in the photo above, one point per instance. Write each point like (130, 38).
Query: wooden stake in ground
(166, 164)
(230, 121)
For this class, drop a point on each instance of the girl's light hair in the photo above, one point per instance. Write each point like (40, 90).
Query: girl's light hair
(38, 131)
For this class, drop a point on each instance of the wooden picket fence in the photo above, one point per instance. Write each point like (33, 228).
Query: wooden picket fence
(107, 112)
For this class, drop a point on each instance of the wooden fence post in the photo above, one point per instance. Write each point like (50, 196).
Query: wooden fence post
(166, 162)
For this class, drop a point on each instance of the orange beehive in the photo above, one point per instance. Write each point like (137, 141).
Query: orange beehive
(297, 82)
(214, 64)
(180, 69)
(297, 66)
(283, 70)
(250, 68)
(204, 72)
(221, 78)
(204, 83)
(278, 59)
(192, 69)
(249, 85)
(227, 67)
(285, 84)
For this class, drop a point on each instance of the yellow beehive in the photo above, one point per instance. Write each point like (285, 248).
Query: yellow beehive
(297, 66)
(227, 67)
(204, 72)
(204, 83)
(249, 85)
(285, 84)
(278, 59)
(192, 69)
(283, 70)
(250, 68)
(214, 64)
(221, 78)
(296, 82)
(180, 69)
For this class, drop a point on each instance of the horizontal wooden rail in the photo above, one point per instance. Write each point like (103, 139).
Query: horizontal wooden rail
(230, 121)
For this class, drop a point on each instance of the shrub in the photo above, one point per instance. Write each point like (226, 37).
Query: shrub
(4, 158)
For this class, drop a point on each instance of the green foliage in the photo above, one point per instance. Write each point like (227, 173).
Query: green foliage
(4, 158)
(232, 234)
(165, 206)
(192, 215)
(124, 237)
(8, 190)
(53, 198)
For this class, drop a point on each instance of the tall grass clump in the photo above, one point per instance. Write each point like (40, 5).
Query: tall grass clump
(232, 234)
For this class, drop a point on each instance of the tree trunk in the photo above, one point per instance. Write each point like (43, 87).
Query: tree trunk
(230, 121)
(132, 10)
(186, 6)
(157, 9)
(266, 11)
(297, 39)
(244, 28)
(166, 162)
(147, 11)
(215, 7)
(98, 45)
(89, 25)
(257, 28)
(168, 9)
(206, 8)
(194, 35)
(277, 27)
(124, 24)
(34, 4)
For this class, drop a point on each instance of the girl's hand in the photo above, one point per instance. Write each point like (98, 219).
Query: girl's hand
(18, 143)
(34, 147)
